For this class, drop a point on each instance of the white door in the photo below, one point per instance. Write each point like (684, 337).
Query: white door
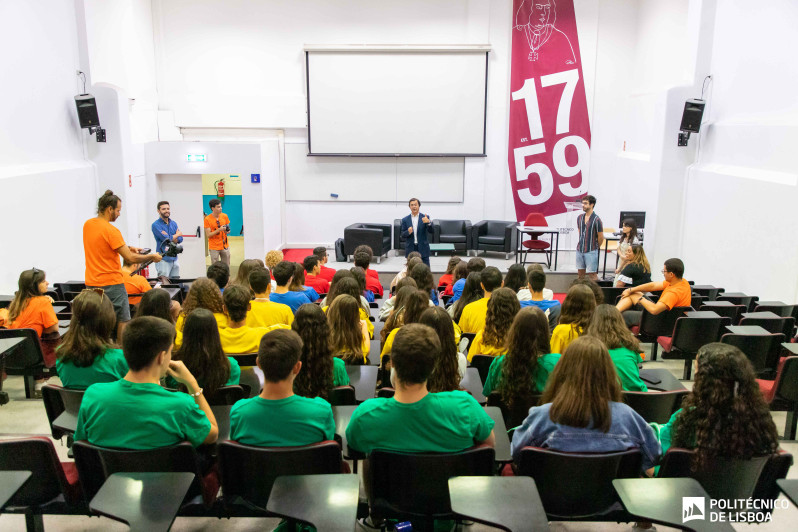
(184, 194)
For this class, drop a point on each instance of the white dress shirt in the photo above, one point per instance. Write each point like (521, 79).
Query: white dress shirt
(414, 225)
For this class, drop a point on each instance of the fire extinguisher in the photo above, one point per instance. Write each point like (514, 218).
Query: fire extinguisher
(219, 185)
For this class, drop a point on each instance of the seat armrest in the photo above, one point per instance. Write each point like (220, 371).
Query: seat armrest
(477, 230)
(397, 233)
(469, 229)
(510, 237)
(436, 231)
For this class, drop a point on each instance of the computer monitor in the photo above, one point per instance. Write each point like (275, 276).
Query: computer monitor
(638, 216)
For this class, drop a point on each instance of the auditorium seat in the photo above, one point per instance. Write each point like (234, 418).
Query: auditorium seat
(655, 407)
(782, 393)
(495, 235)
(653, 326)
(513, 417)
(689, 335)
(457, 232)
(762, 350)
(26, 358)
(376, 236)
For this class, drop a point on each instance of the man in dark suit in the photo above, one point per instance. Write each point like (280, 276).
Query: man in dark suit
(415, 227)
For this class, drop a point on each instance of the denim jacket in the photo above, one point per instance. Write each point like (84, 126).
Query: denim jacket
(627, 430)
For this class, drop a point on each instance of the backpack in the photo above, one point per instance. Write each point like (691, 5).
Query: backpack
(340, 256)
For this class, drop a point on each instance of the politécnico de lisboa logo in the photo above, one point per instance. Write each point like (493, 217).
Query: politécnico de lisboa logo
(693, 508)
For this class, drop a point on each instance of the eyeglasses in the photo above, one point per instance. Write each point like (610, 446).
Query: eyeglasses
(665, 271)
(99, 291)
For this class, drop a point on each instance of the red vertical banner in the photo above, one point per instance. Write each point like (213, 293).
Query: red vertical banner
(549, 148)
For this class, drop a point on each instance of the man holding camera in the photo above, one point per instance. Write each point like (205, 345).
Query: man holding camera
(165, 229)
(217, 226)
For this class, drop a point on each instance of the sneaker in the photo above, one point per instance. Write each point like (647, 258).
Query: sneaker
(37, 389)
(369, 523)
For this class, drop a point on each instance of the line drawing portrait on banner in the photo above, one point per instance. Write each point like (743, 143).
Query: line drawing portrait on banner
(536, 19)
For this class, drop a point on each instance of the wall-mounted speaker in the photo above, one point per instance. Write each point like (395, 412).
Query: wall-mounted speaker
(87, 111)
(691, 117)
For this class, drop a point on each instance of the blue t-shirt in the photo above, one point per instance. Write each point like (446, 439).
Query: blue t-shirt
(369, 295)
(542, 305)
(292, 299)
(170, 228)
(457, 290)
(311, 293)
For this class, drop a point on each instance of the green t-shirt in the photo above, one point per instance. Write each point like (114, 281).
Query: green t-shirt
(340, 376)
(442, 422)
(108, 367)
(288, 422)
(235, 376)
(626, 362)
(128, 415)
(546, 365)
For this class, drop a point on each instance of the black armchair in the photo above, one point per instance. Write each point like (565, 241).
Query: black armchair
(376, 236)
(398, 240)
(457, 232)
(495, 235)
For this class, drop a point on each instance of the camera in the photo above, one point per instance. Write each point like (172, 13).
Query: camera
(170, 249)
(226, 227)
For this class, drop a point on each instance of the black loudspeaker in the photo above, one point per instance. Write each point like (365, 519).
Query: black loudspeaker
(691, 117)
(87, 111)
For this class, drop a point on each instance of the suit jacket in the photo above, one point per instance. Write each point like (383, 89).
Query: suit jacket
(423, 242)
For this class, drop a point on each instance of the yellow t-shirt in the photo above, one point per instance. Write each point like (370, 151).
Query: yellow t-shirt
(473, 318)
(221, 322)
(245, 339)
(562, 336)
(480, 348)
(265, 313)
(363, 316)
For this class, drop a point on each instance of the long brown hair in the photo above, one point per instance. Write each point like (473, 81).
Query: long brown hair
(298, 280)
(445, 376)
(608, 326)
(582, 385)
(725, 415)
(203, 293)
(639, 257)
(527, 341)
(201, 350)
(316, 377)
(247, 266)
(28, 288)
(89, 335)
(345, 286)
(472, 291)
(396, 317)
(503, 305)
(346, 338)
(453, 262)
(578, 307)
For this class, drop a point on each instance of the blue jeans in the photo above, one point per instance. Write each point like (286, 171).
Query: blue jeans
(168, 268)
(587, 261)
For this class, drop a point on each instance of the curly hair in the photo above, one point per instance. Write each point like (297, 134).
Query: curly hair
(273, 258)
(203, 293)
(201, 350)
(578, 307)
(346, 337)
(608, 326)
(527, 340)
(472, 291)
(445, 376)
(515, 279)
(725, 415)
(316, 377)
(503, 305)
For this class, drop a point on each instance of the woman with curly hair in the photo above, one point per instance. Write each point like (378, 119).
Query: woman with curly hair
(582, 410)
(272, 259)
(247, 266)
(413, 304)
(202, 354)
(349, 337)
(350, 287)
(204, 293)
(577, 309)
(503, 305)
(608, 326)
(321, 371)
(157, 302)
(526, 367)
(450, 366)
(472, 291)
(725, 416)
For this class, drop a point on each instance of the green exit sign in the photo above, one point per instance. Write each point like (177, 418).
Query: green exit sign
(196, 158)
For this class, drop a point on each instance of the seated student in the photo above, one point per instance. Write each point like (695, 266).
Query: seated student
(577, 309)
(360, 276)
(325, 272)
(725, 414)
(502, 307)
(583, 411)
(536, 281)
(273, 258)
(277, 417)
(247, 266)
(515, 279)
(447, 279)
(203, 355)
(475, 265)
(349, 336)
(388, 305)
(312, 268)
(219, 272)
(283, 274)
(526, 367)
(473, 318)
(297, 283)
(636, 271)
(676, 292)
(406, 268)
(412, 303)
(460, 273)
(157, 302)
(135, 285)
(238, 337)
(422, 275)
(607, 325)
(162, 418)
(598, 294)
(321, 371)
(472, 291)
(450, 366)
(629, 238)
(419, 421)
(350, 287)
(263, 311)
(204, 293)
(87, 354)
(339, 275)
(525, 294)
(362, 259)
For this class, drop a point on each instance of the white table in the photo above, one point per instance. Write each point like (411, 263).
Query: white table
(529, 229)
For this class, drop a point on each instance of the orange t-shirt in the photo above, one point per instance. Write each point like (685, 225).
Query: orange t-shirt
(100, 240)
(219, 240)
(135, 284)
(38, 314)
(676, 295)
